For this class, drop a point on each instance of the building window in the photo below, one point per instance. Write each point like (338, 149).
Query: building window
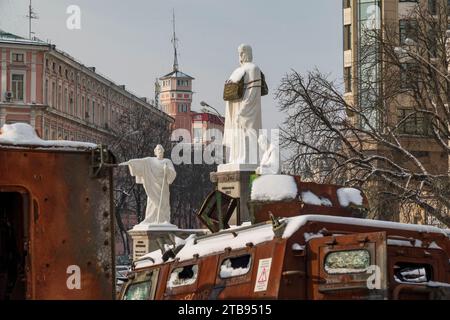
(17, 86)
(346, 4)
(46, 91)
(83, 109)
(407, 30)
(93, 112)
(73, 107)
(432, 7)
(409, 76)
(66, 101)
(348, 79)
(18, 57)
(88, 105)
(414, 122)
(53, 94)
(59, 97)
(347, 37)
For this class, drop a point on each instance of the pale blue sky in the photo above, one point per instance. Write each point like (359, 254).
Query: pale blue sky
(129, 41)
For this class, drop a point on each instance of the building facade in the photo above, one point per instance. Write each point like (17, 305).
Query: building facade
(176, 98)
(206, 127)
(365, 73)
(58, 95)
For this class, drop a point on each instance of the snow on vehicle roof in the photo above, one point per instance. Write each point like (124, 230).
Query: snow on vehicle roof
(274, 187)
(238, 238)
(23, 134)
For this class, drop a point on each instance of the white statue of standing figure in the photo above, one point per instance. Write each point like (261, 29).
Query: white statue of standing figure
(243, 117)
(156, 174)
(270, 161)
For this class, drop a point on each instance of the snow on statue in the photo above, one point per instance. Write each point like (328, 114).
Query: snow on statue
(243, 116)
(156, 174)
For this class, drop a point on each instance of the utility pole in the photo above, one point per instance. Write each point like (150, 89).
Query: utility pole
(31, 15)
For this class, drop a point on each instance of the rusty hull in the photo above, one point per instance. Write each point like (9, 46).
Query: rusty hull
(300, 274)
(260, 210)
(68, 221)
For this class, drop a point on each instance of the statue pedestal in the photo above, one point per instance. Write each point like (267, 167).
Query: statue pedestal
(146, 240)
(235, 184)
(233, 167)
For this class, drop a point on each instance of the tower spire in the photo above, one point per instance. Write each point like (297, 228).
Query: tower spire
(174, 42)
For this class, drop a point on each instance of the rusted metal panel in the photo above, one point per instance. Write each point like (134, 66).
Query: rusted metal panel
(70, 221)
(323, 284)
(297, 263)
(260, 210)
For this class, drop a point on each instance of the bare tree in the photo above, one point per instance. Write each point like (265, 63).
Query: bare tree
(392, 139)
(138, 132)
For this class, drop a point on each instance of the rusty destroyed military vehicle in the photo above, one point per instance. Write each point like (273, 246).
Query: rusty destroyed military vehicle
(304, 241)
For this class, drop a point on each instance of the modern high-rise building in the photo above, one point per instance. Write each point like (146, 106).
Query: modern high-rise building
(365, 79)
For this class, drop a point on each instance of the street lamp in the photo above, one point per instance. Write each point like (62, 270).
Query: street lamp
(204, 104)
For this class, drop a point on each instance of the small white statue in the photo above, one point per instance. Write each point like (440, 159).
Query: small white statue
(156, 174)
(243, 117)
(270, 161)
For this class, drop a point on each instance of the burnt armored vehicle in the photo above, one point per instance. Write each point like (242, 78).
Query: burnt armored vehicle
(304, 241)
(56, 237)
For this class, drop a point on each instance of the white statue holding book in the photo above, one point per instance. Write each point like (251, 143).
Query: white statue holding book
(243, 116)
(156, 174)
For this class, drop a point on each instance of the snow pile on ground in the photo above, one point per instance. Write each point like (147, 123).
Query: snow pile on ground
(309, 197)
(274, 188)
(347, 196)
(23, 134)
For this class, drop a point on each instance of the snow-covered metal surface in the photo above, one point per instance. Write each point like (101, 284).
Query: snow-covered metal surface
(274, 188)
(348, 196)
(240, 237)
(23, 134)
(309, 197)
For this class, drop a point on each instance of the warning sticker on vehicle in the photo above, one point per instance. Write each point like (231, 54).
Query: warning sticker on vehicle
(262, 278)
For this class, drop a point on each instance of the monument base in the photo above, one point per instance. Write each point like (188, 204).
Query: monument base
(235, 184)
(151, 239)
(232, 167)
